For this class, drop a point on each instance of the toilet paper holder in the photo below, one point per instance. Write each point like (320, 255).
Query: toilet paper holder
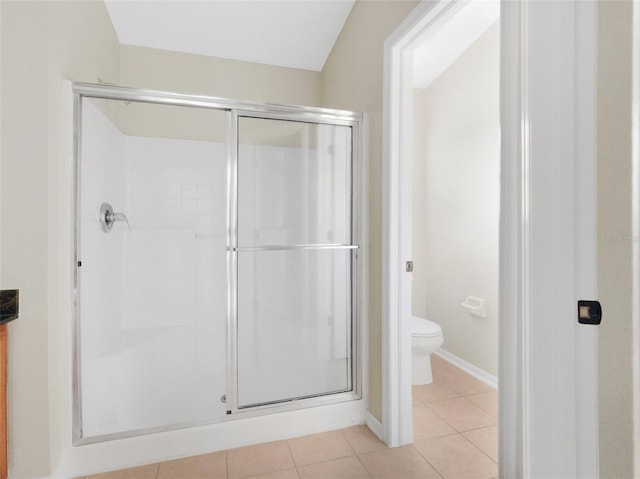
(475, 306)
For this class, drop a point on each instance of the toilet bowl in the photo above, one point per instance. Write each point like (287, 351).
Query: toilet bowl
(426, 337)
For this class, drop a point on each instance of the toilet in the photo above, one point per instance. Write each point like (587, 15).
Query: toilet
(426, 337)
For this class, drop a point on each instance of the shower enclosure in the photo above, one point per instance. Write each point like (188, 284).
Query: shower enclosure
(216, 260)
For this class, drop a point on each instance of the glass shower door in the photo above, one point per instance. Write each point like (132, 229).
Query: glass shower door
(294, 260)
(215, 260)
(152, 302)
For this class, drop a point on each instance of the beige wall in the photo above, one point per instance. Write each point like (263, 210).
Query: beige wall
(352, 80)
(614, 238)
(457, 230)
(186, 73)
(24, 255)
(165, 70)
(42, 42)
(419, 205)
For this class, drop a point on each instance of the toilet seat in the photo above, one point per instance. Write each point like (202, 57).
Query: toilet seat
(423, 328)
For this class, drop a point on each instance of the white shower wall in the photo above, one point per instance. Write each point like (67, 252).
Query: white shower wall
(153, 296)
(175, 265)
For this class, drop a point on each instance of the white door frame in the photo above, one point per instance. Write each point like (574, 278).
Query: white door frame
(547, 236)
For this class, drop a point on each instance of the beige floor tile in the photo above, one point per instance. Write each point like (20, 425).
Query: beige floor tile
(141, 472)
(414, 398)
(345, 468)
(456, 458)
(288, 474)
(427, 424)
(362, 439)
(259, 459)
(487, 401)
(442, 369)
(466, 385)
(462, 414)
(434, 392)
(319, 447)
(445, 373)
(485, 439)
(398, 463)
(205, 466)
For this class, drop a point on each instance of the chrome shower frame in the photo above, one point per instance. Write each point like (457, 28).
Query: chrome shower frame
(234, 110)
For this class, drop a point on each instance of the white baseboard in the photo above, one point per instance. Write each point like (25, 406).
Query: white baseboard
(469, 368)
(375, 426)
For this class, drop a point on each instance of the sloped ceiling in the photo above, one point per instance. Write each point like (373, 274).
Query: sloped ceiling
(293, 33)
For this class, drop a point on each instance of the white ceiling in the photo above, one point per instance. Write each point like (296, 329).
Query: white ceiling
(289, 33)
(447, 40)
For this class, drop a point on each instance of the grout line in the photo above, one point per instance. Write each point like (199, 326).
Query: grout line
(353, 452)
(346, 439)
(435, 438)
(427, 460)
(362, 464)
(471, 442)
(325, 461)
(455, 428)
(457, 433)
(157, 470)
(483, 392)
(481, 427)
(293, 458)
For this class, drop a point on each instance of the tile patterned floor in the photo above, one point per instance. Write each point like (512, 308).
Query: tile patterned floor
(455, 437)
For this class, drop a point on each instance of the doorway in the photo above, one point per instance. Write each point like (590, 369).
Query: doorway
(455, 204)
(546, 235)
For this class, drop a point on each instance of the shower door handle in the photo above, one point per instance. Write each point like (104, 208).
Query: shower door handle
(292, 247)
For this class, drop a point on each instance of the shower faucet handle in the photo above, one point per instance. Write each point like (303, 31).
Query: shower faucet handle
(119, 217)
(108, 217)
